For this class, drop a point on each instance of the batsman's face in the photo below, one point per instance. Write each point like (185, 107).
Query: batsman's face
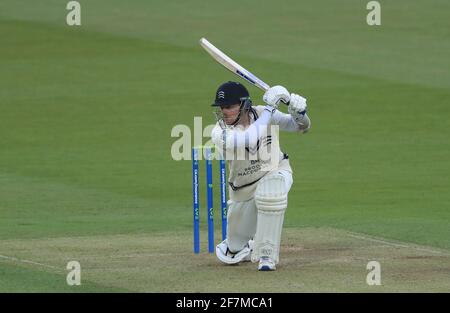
(230, 113)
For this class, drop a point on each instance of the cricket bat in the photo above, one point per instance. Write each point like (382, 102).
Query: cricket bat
(226, 61)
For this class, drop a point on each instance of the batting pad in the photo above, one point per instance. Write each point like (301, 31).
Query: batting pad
(271, 201)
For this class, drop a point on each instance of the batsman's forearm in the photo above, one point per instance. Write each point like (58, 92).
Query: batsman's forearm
(289, 123)
(304, 124)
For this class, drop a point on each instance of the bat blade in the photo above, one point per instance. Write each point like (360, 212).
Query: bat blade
(230, 64)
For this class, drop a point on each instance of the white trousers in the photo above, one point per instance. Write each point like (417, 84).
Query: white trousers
(242, 217)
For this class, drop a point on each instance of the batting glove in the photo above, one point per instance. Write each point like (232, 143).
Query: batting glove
(297, 107)
(274, 95)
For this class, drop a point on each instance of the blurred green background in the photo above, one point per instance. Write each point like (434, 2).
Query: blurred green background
(86, 112)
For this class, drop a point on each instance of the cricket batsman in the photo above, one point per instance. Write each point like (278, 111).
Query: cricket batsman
(260, 175)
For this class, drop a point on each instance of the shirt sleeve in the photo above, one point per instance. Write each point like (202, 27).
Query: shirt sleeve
(285, 121)
(230, 139)
(288, 123)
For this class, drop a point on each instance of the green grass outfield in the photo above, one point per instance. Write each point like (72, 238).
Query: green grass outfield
(86, 115)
